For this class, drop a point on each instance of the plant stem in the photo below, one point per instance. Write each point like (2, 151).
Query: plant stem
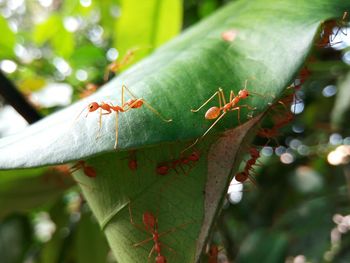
(13, 97)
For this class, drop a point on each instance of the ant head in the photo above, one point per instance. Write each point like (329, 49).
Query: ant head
(114, 66)
(243, 94)
(160, 259)
(254, 153)
(89, 171)
(93, 106)
(241, 177)
(162, 169)
(132, 164)
(149, 220)
(213, 250)
(194, 156)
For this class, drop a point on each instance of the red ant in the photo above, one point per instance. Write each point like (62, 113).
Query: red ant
(304, 74)
(165, 167)
(269, 133)
(133, 103)
(342, 23)
(326, 35)
(89, 171)
(132, 163)
(89, 89)
(328, 26)
(58, 173)
(229, 35)
(219, 112)
(243, 176)
(150, 225)
(279, 121)
(213, 254)
(116, 66)
(301, 78)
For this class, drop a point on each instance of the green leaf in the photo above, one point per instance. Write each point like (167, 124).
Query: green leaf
(147, 24)
(23, 190)
(51, 250)
(89, 234)
(274, 38)
(7, 40)
(63, 42)
(15, 238)
(47, 29)
(178, 77)
(53, 31)
(74, 7)
(86, 56)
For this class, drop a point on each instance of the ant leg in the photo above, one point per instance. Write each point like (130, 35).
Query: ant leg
(238, 114)
(123, 87)
(238, 108)
(99, 124)
(173, 229)
(189, 147)
(156, 112)
(80, 115)
(276, 141)
(232, 95)
(75, 168)
(247, 106)
(252, 179)
(150, 253)
(245, 84)
(205, 103)
(221, 93)
(170, 249)
(147, 105)
(129, 54)
(340, 27)
(106, 75)
(116, 130)
(140, 227)
(220, 117)
(142, 242)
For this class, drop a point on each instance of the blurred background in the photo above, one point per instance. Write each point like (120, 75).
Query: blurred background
(55, 52)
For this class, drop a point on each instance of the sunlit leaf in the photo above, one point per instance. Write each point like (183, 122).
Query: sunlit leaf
(7, 40)
(31, 84)
(47, 29)
(146, 24)
(63, 43)
(87, 56)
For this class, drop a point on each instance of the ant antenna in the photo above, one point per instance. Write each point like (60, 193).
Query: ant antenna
(146, 104)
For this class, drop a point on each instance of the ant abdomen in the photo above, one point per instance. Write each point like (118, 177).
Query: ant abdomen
(212, 113)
